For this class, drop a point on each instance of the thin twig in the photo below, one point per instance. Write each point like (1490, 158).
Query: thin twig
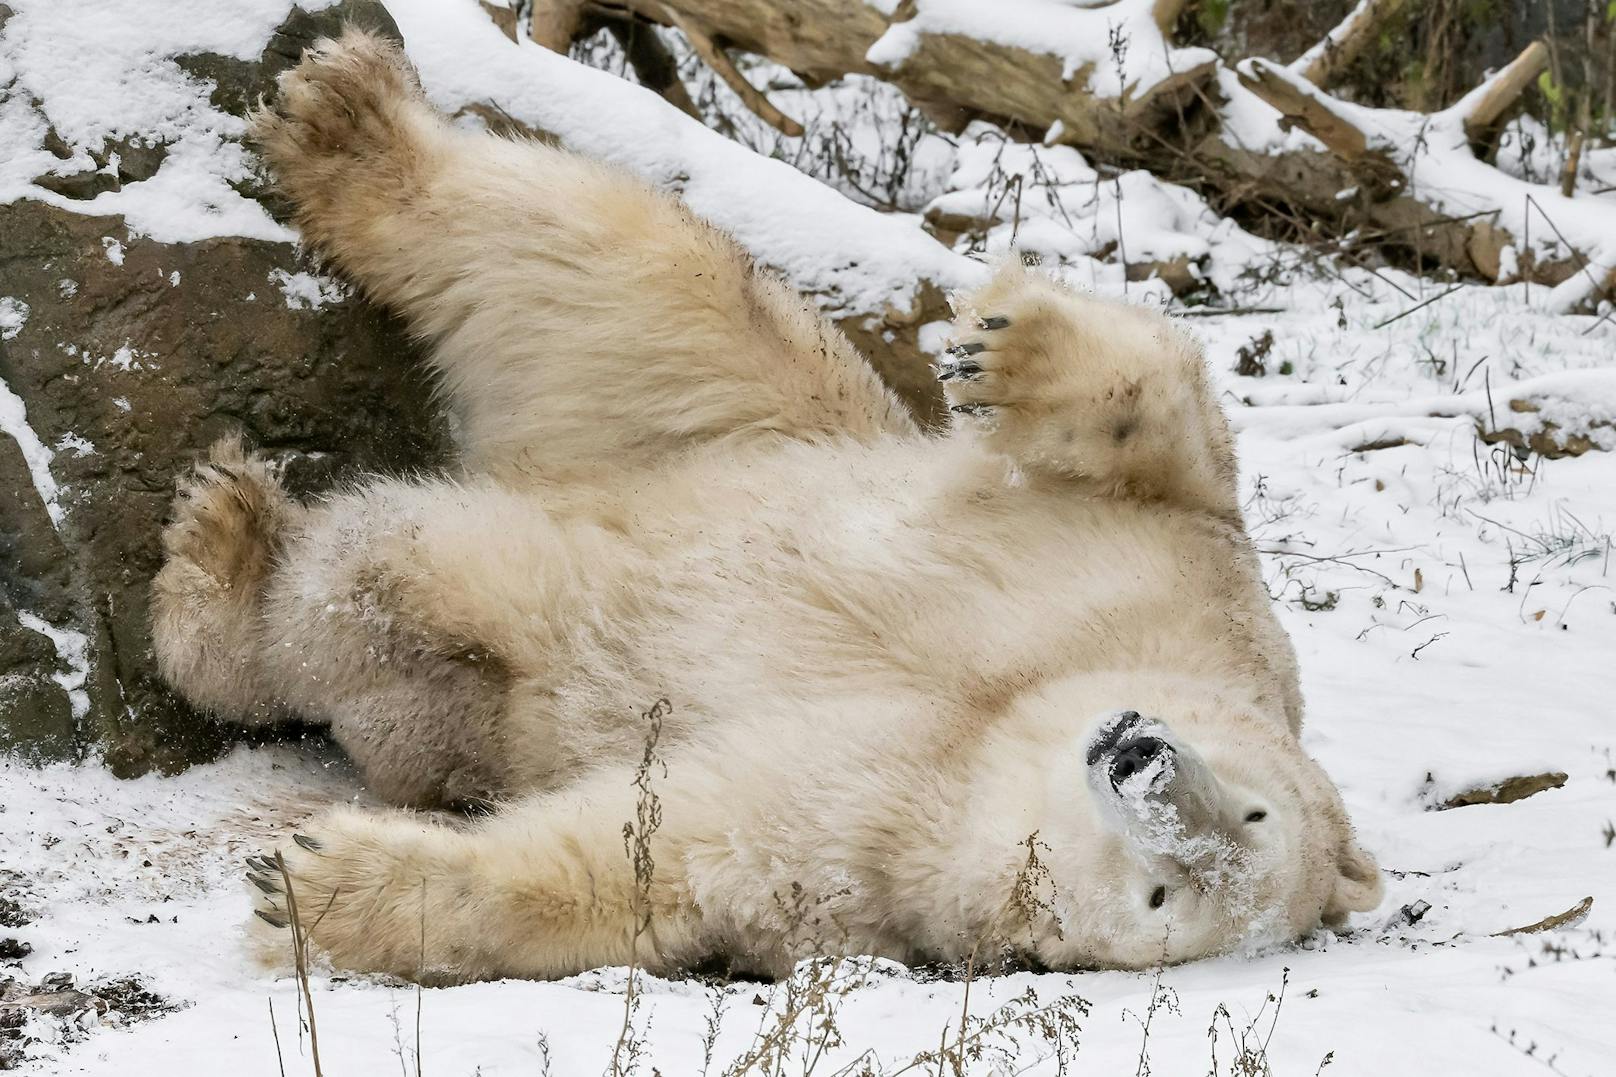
(300, 959)
(1415, 307)
(276, 1032)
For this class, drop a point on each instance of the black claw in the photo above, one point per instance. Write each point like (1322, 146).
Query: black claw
(308, 843)
(971, 348)
(263, 864)
(965, 369)
(268, 886)
(270, 918)
(995, 321)
(970, 409)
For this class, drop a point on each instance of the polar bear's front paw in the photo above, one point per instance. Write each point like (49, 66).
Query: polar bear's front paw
(1006, 374)
(1075, 387)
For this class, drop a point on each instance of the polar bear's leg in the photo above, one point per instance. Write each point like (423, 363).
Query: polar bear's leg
(418, 618)
(581, 320)
(542, 889)
(398, 614)
(229, 521)
(1079, 388)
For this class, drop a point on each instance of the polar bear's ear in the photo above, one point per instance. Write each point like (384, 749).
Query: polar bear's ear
(1357, 884)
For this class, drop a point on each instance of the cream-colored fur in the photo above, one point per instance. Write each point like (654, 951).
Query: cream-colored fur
(892, 658)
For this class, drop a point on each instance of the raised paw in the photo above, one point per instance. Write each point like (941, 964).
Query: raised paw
(1084, 389)
(342, 103)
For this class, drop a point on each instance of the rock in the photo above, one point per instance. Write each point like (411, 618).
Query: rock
(132, 356)
(1570, 918)
(12, 914)
(1507, 791)
(1548, 440)
(12, 950)
(57, 1003)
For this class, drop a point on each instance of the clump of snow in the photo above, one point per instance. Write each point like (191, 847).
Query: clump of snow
(13, 315)
(305, 291)
(126, 358)
(79, 446)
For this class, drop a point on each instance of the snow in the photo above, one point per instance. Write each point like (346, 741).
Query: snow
(13, 315)
(101, 72)
(1050, 202)
(14, 421)
(73, 648)
(1251, 123)
(1452, 606)
(305, 291)
(79, 446)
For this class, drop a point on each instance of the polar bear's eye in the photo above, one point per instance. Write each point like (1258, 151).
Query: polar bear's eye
(1257, 816)
(1158, 896)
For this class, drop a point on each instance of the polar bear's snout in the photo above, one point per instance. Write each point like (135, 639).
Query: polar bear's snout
(1108, 738)
(1152, 788)
(1133, 751)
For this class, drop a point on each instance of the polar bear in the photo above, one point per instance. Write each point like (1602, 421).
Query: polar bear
(909, 676)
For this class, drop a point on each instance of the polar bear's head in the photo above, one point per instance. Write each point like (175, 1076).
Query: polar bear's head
(1201, 837)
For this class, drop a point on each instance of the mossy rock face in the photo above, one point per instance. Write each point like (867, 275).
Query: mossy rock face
(128, 369)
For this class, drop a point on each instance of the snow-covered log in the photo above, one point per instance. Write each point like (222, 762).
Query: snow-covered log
(1108, 80)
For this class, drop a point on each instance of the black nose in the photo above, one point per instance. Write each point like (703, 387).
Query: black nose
(1133, 754)
(1111, 734)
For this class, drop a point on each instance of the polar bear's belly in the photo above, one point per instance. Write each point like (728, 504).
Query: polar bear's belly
(838, 572)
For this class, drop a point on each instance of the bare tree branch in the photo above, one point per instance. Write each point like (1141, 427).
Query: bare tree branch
(1338, 48)
(717, 59)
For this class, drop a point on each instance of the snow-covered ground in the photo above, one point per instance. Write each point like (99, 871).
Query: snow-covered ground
(1453, 606)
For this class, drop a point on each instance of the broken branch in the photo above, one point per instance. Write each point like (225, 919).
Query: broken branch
(717, 59)
(1484, 106)
(1338, 48)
